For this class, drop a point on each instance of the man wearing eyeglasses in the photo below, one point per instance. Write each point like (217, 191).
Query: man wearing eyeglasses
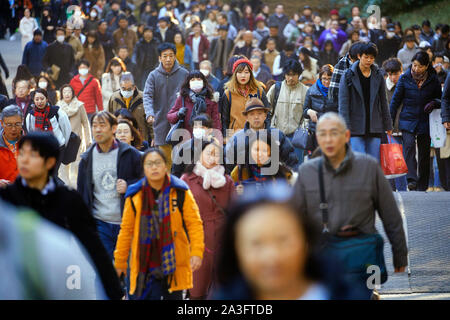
(10, 133)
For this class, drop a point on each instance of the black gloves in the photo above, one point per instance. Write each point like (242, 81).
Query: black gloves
(182, 113)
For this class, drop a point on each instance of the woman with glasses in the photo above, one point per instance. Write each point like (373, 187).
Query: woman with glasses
(162, 227)
(317, 102)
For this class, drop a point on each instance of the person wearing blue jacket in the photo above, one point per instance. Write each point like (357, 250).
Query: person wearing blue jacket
(417, 89)
(445, 114)
(34, 53)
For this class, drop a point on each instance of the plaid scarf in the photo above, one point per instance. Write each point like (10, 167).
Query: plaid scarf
(42, 122)
(156, 248)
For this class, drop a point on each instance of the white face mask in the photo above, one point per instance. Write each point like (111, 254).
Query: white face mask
(77, 13)
(199, 133)
(205, 72)
(93, 14)
(301, 26)
(42, 84)
(60, 39)
(126, 94)
(196, 85)
(83, 71)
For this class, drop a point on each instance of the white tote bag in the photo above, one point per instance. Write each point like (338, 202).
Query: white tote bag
(438, 133)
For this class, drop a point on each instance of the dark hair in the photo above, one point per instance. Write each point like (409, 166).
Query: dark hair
(66, 86)
(276, 194)
(204, 118)
(137, 138)
(422, 57)
(51, 85)
(185, 89)
(426, 23)
(355, 50)
(326, 69)
(105, 115)
(392, 65)
(409, 38)
(190, 167)
(126, 114)
(122, 17)
(85, 62)
(183, 41)
(445, 28)
(45, 143)
(60, 29)
(271, 39)
(369, 48)
(94, 35)
(41, 91)
(166, 46)
(293, 66)
(153, 150)
(438, 55)
(307, 61)
(289, 47)
(415, 27)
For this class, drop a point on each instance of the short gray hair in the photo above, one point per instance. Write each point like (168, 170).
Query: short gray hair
(11, 111)
(335, 117)
(206, 62)
(126, 77)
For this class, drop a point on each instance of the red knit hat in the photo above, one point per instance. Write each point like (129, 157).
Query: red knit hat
(243, 60)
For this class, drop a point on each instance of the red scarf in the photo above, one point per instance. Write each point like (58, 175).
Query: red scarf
(42, 121)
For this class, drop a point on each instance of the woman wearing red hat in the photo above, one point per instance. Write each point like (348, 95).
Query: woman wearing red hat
(238, 90)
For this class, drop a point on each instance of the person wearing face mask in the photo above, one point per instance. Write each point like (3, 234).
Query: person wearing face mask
(59, 55)
(130, 98)
(213, 190)
(34, 52)
(195, 98)
(91, 24)
(87, 89)
(389, 44)
(206, 69)
(45, 83)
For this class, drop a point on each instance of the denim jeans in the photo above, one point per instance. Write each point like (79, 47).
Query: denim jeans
(159, 290)
(367, 145)
(298, 152)
(108, 234)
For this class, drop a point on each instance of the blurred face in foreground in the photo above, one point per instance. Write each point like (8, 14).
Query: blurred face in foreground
(332, 137)
(271, 250)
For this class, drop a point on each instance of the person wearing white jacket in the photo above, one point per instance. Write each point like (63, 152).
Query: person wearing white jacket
(26, 27)
(79, 123)
(44, 117)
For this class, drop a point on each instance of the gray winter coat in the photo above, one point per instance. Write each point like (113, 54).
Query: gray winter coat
(351, 102)
(353, 192)
(160, 93)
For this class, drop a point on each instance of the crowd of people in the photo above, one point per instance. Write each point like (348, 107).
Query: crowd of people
(148, 121)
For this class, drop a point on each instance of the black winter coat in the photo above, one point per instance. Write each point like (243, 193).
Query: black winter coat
(65, 208)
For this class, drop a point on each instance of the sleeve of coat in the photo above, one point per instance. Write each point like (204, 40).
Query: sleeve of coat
(101, 63)
(344, 99)
(215, 116)
(86, 127)
(287, 152)
(307, 105)
(397, 98)
(387, 120)
(194, 225)
(98, 95)
(224, 106)
(125, 237)
(390, 216)
(83, 226)
(64, 124)
(148, 96)
(445, 101)
(172, 114)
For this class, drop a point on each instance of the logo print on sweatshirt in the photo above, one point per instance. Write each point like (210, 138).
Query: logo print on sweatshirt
(108, 182)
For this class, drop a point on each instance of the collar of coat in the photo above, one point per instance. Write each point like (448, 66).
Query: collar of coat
(345, 164)
(174, 182)
(133, 102)
(175, 68)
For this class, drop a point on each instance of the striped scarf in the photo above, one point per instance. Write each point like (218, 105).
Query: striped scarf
(156, 248)
(42, 122)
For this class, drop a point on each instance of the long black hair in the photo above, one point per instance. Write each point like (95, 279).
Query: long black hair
(185, 88)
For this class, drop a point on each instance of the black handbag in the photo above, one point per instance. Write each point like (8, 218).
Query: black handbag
(71, 150)
(176, 126)
(355, 253)
(302, 139)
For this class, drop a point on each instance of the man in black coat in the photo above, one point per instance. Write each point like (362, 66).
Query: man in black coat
(37, 189)
(60, 54)
(145, 56)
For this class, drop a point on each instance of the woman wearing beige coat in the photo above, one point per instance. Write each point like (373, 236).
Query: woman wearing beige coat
(79, 123)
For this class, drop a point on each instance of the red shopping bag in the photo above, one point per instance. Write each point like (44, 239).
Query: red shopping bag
(392, 161)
